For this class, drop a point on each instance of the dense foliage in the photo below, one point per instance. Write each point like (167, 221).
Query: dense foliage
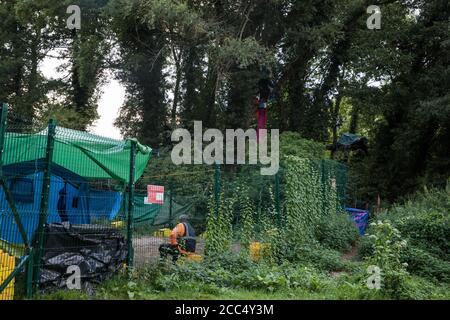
(423, 223)
(313, 208)
(185, 60)
(233, 276)
(409, 268)
(310, 225)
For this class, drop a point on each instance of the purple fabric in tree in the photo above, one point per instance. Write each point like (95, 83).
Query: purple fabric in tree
(360, 217)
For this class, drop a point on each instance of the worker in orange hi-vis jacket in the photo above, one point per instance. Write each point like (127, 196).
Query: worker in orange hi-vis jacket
(181, 240)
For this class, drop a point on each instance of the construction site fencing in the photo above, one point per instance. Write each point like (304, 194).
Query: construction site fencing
(70, 198)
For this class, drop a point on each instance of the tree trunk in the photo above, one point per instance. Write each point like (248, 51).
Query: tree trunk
(335, 123)
(176, 94)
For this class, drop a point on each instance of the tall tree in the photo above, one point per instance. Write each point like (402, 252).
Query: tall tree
(140, 66)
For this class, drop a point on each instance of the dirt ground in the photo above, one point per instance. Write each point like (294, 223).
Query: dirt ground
(146, 249)
(349, 256)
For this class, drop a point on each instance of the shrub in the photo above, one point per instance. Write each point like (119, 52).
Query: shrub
(236, 272)
(415, 288)
(388, 245)
(424, 222)
(425, 264)
(337, 232)
(427, 229)
(314, 254)
(365, 246)
(292, 144)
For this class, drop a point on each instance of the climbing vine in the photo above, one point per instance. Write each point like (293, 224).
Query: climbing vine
(219, 230)
(302, 192)
(311, 195)
(246, 221)
(271, 233)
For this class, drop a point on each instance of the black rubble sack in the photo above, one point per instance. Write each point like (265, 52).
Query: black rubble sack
(98, 251)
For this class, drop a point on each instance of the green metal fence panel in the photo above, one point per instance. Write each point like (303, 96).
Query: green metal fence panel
(131, 204)
(57, 185)
(185, 193)
(76, 180)
(43, 211)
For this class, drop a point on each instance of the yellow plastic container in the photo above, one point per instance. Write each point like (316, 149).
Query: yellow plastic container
(194, 257)
(256, 250)
(7, 265)
(162, 233)
(189, 257)
(117, 224)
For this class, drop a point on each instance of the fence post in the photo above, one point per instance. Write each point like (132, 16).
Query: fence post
(4, 114)
(217, 188)
(130, 255)
(29, 272)
(170, 204)
(323, 186)
(43, 212)
(277, 199)
(29, 250)
(3, 182)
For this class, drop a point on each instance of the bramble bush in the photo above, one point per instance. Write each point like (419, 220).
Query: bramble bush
(422, 263)
(316, 255)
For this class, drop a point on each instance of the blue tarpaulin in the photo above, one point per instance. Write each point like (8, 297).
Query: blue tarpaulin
(82, 204)
(104, 204)
(360, 217)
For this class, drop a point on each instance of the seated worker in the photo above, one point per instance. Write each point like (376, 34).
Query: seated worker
(181, 240)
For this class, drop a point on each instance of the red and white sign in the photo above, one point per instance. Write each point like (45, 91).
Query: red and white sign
(155, 194)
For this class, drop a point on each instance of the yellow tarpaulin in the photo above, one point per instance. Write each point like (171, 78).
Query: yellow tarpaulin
(7, 265)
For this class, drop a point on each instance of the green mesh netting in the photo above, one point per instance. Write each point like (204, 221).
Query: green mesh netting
(156, 214)
(85, 154)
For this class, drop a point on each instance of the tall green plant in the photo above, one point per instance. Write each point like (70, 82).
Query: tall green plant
(271, 233)
(246, 221)
(219, 231)
(388, 246)
(303, 199)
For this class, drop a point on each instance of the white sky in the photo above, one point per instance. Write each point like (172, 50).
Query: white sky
(112, 97)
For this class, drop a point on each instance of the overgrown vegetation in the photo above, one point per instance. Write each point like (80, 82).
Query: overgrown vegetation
(235, 277)
(396, 243)
(183, 61)
(423, 221)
